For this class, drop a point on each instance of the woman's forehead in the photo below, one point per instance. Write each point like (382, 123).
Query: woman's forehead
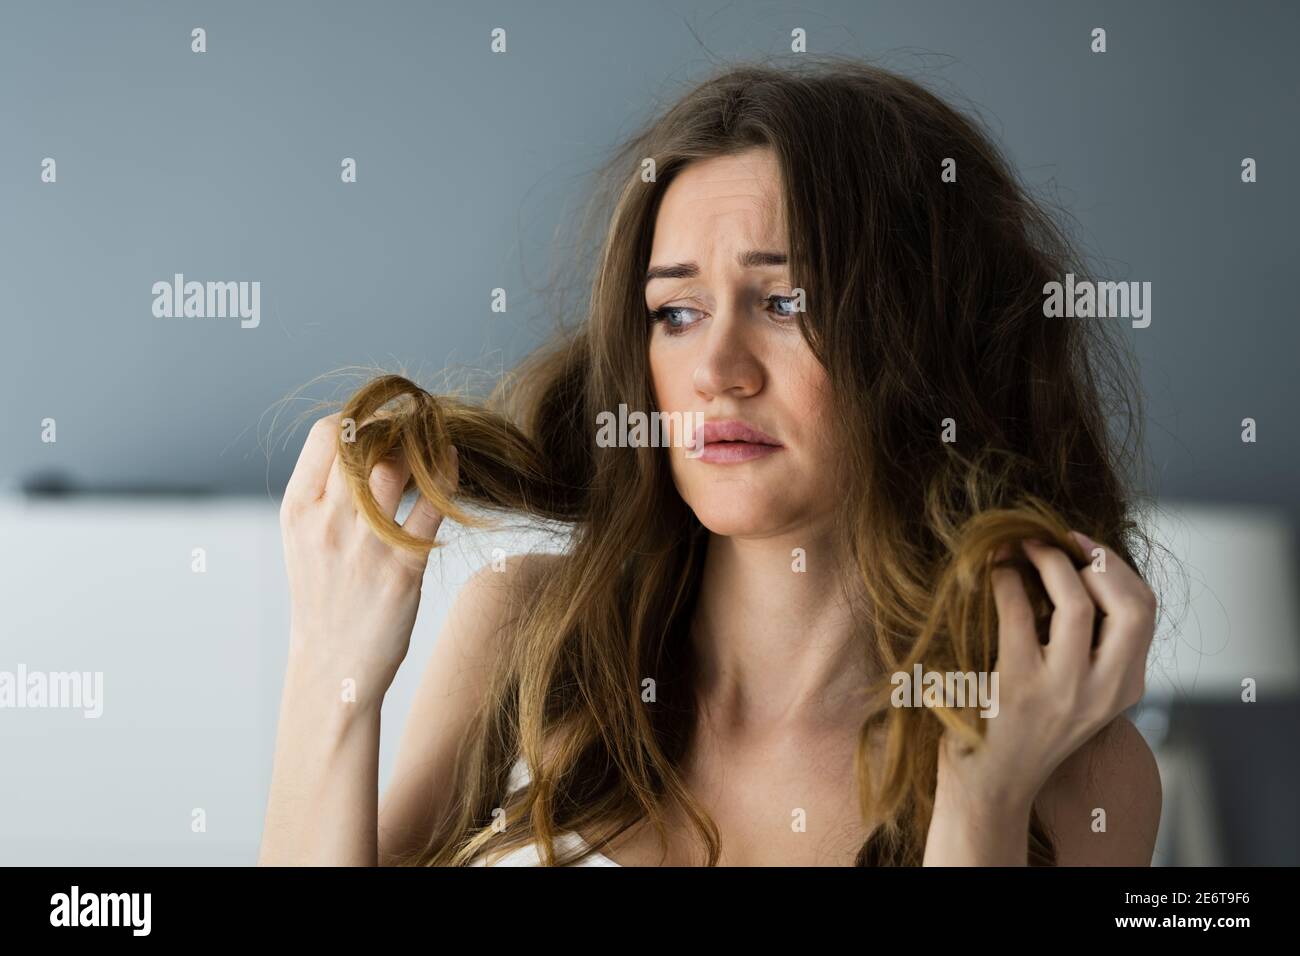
(721, 204)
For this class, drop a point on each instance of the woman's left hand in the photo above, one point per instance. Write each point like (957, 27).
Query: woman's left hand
(1052, 698)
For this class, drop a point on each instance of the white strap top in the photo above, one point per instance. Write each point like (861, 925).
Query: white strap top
(564, 842)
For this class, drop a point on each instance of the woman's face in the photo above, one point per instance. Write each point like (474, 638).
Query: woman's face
(727, 346)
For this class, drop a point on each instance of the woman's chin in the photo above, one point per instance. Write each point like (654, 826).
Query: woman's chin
(741, 518)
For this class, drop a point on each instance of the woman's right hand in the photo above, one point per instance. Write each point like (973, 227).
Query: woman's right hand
(353, 597)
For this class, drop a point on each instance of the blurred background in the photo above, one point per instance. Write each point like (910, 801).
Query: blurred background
(142, 542)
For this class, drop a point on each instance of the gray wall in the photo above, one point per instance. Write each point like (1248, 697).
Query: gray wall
(225, 165)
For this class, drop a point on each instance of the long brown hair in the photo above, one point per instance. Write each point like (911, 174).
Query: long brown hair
(924, 304)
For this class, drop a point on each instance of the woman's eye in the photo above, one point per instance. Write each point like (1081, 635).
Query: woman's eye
(786, 305)
(668, 316)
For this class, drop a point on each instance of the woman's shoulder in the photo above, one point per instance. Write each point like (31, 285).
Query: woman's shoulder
(517, 572)
(533, 567)
(1103, 802)
(506, 584)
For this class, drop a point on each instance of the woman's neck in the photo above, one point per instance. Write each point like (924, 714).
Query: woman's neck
(778, 647)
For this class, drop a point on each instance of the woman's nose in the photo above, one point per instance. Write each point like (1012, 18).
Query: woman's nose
(728, 363)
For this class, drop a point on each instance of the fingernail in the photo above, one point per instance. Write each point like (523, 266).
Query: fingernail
(1086, 541)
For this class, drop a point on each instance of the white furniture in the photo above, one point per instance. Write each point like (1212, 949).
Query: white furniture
(192, 665)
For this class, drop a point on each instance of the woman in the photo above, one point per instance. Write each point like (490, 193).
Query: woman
(835, 260)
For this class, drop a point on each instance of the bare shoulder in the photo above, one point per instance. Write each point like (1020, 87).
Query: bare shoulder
(1102, 804)
(510, 580)
(456, 685)
(482, 616)
(531, 569)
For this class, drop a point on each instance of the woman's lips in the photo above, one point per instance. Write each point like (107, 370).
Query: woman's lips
(730, 441)
(732, 452)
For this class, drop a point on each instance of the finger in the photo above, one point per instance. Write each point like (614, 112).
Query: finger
(1018, 648)
(336, 486)
(424, 519)
(1069, 637)
(1129, 607)
(307, 483)
(1115, 566)
(388, 482)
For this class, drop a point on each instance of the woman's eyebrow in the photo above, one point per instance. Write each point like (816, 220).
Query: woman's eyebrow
(754, 259)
